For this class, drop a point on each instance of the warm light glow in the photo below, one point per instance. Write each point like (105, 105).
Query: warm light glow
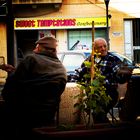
(130, 7)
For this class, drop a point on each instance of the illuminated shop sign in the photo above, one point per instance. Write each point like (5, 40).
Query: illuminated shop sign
(58, 23)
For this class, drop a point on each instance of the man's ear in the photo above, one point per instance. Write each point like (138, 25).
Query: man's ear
(36, 48)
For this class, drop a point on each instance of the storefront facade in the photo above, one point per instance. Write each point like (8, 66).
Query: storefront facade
(68, 31)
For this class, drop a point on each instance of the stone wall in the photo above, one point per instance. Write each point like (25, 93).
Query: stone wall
(67, 109)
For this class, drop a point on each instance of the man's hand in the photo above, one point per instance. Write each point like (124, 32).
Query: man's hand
(7, 67)
(124, 74)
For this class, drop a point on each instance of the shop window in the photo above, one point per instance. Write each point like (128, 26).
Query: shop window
(82, 39)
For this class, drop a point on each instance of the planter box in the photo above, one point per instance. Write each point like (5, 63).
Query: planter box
(100, 131)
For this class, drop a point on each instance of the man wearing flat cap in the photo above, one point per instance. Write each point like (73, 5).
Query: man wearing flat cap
(47, 41)
(33, 92)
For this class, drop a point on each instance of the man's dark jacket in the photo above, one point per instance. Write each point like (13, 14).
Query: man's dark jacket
(33, 91)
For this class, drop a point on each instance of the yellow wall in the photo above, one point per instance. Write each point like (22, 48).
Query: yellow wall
(3, 49)
(61, 36)
(117, 30)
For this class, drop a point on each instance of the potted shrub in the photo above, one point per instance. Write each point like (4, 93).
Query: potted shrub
(92, 99)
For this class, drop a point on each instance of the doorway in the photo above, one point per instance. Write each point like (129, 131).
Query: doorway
(26, 41)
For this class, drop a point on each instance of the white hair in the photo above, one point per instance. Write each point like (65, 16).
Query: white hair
(100, 38)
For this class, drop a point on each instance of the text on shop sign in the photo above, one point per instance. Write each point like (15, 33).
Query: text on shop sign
(59, 23)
